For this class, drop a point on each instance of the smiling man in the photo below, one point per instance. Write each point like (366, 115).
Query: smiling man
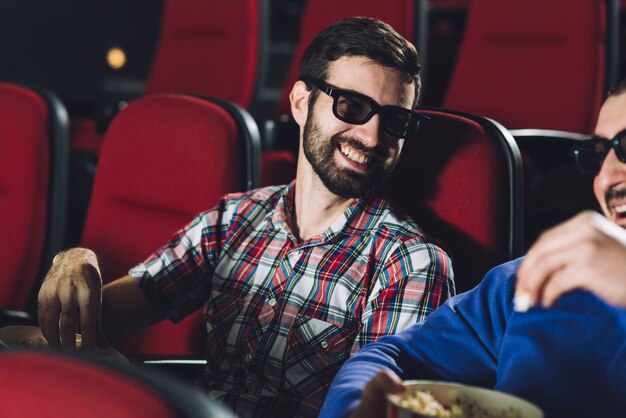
(550, 327)
(296, 278)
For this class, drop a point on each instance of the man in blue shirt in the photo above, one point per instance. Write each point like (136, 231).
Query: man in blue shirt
(550, 327)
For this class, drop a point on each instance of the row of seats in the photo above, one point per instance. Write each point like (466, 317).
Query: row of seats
(169, 156)
(546, 70)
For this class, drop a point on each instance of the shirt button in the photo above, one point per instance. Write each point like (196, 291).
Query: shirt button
(324, 344)
(296, 252)
(248, 357)
(271, 302)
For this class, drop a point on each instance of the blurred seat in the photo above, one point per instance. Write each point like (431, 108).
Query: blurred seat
(554, 188)
(210, 47)
(51, 384)
(280, 134)
(166, 158)
(33, 193)
(536, 64)
(460, 178)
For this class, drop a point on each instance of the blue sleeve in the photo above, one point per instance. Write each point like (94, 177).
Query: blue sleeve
(459, 342)
(569, 359)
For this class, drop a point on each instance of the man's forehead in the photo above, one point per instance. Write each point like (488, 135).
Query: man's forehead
(366, 76)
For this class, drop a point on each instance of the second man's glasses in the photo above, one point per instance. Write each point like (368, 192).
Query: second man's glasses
(589, 155)
(356, 109)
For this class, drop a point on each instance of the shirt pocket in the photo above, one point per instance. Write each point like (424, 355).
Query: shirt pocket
(316, 350)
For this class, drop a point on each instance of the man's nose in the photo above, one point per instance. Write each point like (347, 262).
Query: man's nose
(370, 132)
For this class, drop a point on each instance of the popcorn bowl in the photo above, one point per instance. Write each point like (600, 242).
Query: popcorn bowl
(430, 399)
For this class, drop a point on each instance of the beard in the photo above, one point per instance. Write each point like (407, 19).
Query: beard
(320, 152)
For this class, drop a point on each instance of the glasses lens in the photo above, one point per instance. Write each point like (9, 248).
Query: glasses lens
(590, 155)
(352, 108)
(620, 149)
(397, 122)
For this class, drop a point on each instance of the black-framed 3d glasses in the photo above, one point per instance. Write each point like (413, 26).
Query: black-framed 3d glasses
(357, 109)
(589, 155)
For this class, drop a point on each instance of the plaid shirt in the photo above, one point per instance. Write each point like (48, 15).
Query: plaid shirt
(283, 315)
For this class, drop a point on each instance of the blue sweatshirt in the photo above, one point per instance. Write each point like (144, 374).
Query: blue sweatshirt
(570, 359)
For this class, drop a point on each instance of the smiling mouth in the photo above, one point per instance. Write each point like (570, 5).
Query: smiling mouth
(354, 155)
(619, 211)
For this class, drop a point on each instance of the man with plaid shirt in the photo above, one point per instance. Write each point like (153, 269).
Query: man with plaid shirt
(296, 278)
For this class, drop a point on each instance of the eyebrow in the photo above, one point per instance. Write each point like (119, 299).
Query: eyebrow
(358, 93)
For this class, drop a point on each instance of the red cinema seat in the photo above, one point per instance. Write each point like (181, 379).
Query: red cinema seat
(166, 158)
(33, 193)
(77, 386)
(211, 47)
(535, 63)
(460, 178)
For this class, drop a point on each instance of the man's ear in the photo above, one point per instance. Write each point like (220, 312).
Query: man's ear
(299, 98)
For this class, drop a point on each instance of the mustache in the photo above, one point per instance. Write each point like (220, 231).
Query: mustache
(378, 152)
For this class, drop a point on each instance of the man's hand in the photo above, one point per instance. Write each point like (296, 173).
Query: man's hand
(588, 252)
(373, 400)
(70, 299)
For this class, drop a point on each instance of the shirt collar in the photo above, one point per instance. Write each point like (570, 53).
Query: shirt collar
(357, 218)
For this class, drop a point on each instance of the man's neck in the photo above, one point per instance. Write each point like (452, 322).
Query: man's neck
(315, 207)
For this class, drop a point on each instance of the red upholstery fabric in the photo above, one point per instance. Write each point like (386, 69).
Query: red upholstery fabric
(209, 47)
(278, 167)
(24, 172)
(454, 181)
(85, 136)
(37, 385)
(532, 63)
(458, 4)
(318, 14)
(166, 158)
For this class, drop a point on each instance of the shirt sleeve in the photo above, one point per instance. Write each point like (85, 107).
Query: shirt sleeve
(176, 278)
(416, 278)
(458, 342)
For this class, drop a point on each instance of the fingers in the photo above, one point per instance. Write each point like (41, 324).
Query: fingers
(563, 281)
(89, 307)
(70, 296)
(589, 252)
(67, 320)
(566, 244)
(374, 396)
(48, 315)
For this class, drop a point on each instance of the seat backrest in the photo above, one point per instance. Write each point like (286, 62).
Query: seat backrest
(211, 47)
(79, 385)
(536, 64)
(166, 157)
(33, 189)
(461, 180)
(555, 190)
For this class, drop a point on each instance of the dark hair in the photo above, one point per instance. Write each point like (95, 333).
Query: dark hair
(360, 36)
(618, 88)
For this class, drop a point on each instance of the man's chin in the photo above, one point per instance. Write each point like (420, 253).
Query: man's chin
(347, 187)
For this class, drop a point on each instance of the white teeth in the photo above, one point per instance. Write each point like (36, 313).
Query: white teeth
(620, 209)
(353, 154)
